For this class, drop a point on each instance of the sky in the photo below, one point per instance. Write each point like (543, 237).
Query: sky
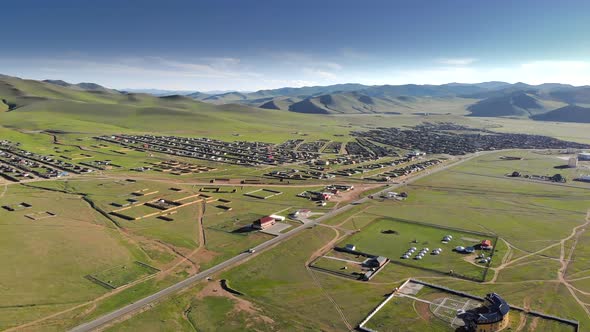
(248, 45)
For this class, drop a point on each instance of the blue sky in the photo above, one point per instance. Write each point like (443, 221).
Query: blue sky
(250, 45)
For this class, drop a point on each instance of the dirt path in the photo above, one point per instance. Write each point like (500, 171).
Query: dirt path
(202, 238)
(354, 215)
(564, 260)
(316, 281)
(4, 190)
(576, 232)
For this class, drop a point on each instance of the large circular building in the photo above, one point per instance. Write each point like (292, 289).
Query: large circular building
(490, 317)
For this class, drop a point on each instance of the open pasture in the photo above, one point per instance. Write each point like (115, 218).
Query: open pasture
(45, 261)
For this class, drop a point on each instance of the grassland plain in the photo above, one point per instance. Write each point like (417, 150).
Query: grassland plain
(276, 282)
(531, 217)
(149, 239)
(52, 256)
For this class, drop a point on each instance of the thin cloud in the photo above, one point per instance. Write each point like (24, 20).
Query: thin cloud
(456, 61)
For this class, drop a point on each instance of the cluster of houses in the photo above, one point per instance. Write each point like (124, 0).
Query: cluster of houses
(406, 170)
(374, 149)
(371, 167)
(14, 174)
(17, 164)
(240, 153)
(484, 245)
(352, 160)
(345, 160)
(326, 194)
(313, 146)
(333, 147)
(290, 144)
(460, 140)
(297, 174)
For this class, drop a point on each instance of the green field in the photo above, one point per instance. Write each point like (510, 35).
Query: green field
(123, 274)
(373, 240)
(54, 254)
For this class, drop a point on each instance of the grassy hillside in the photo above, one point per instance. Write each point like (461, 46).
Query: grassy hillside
(514, 104)
(488, 99)
(580, 95)
(570, 113)
(358, 103)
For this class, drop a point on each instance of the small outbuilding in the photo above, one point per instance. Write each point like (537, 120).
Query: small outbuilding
(350, 247)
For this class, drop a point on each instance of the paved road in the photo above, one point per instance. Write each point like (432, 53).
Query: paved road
(101, 321)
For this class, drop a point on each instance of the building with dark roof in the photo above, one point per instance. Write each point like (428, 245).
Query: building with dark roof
(378, 261)
(491, 316)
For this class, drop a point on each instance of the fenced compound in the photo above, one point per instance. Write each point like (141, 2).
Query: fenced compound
(122, 275)
(17, 207)
(40, 215)
(351, 268)
(412, 230)
(263, 193)
(159, 207)
(446, 307)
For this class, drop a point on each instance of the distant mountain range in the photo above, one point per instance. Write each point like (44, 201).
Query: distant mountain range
(487, 99)
(544, 102)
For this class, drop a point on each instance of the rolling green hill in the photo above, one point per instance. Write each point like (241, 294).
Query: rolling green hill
(570, 113)
(519, 103)
(80, 86)
(29, 105)
(488, 99)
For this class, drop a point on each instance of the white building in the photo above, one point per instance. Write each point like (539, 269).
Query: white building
(277, 217)
(572, 162)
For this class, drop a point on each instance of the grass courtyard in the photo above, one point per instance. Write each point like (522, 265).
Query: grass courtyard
(392, 238)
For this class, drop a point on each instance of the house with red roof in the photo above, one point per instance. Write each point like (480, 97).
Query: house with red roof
(486, 245)
(264, 222)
